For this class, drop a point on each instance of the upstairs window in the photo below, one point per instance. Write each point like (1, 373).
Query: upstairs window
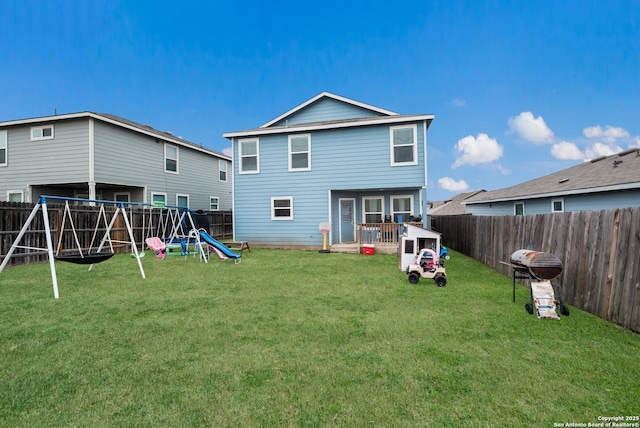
(3, 148)
(170, 158)
(300, 152)
(282, 208)
(222, 167)
(249, 153)
(42, 133)
(404, 146)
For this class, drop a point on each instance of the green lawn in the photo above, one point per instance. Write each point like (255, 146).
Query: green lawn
(295, 338)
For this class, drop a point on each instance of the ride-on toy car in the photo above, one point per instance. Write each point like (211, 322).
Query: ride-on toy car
(427, 265)
(444, 253)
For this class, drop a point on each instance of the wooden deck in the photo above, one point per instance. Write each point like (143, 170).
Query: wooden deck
(385, 237)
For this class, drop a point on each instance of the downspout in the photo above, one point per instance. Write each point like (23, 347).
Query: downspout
(92, 178)
(423, 194)
(330, 217)
(233, 188)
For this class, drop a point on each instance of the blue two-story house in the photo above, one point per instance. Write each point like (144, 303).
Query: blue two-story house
(330, 159)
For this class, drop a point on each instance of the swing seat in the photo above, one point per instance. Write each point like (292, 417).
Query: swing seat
(87, 259)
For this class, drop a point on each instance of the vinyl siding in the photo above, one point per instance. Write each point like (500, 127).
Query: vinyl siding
(603, 201)
(122, 157)
(326, 109)
(127, 158)
(355, 159)
(63, 159)
(583, 202)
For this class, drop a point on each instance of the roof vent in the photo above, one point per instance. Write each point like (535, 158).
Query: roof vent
(564, 180)
(616, 163)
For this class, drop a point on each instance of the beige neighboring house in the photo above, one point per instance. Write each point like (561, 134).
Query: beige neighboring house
(453, 206)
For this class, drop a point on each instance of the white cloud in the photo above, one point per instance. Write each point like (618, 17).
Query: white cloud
(457, 102)
(504, 171)
(597, 150)
(227, 151)
(448, 183)
(531, 128)
(566, 151)
(609, 135)
(473, 151)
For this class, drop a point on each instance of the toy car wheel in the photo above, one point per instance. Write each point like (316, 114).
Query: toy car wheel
(564, 310)
(414, 277)
(447, 257)
(440, 280)
(529, 308)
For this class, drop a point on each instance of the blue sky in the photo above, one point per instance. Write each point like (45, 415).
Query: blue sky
(519, 89)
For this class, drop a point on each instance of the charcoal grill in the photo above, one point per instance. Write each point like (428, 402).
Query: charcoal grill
(536, 266)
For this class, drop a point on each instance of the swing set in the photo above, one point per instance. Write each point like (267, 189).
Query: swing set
(104, 248)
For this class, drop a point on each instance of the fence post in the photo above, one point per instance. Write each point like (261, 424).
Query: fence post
(612, 264)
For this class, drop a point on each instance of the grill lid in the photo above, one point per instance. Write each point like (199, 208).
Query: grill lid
(543, 266)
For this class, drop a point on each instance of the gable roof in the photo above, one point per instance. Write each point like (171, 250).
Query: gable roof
(121, 122)
(380, 116)
(453, 206)
(616, 172)
(332, 96)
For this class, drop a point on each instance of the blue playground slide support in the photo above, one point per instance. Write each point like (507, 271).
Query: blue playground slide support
(204, 236)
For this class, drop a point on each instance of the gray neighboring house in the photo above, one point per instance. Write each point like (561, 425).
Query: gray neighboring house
(604, 183)
(102, 156)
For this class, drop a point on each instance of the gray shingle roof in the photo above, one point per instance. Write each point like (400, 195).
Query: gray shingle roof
(160, 134)
(615, 172)
(119, 121)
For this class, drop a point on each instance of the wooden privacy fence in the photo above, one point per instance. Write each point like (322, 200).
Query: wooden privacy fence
(600, 251)
(85, 218)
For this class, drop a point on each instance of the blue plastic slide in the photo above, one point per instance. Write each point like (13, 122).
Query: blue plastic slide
(204, 236)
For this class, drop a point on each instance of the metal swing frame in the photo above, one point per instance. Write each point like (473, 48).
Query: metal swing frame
(90, 258)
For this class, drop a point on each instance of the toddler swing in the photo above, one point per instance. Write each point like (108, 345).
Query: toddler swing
(88, 257)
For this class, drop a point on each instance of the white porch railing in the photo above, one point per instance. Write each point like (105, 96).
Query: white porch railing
(380, 233)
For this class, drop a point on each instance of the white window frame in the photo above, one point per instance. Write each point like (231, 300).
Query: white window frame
(241, 156)
(414, 146)
(553, 201)
(222, 168)
(308, 152)
(515, 208)
(15, 192)
(365, 212)
(273, 208)
(182, 195)
(164, 197)
(217, 203)
(127, 194)
(4, 145)
(177, 159)
(41, 128)
(393, 212)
